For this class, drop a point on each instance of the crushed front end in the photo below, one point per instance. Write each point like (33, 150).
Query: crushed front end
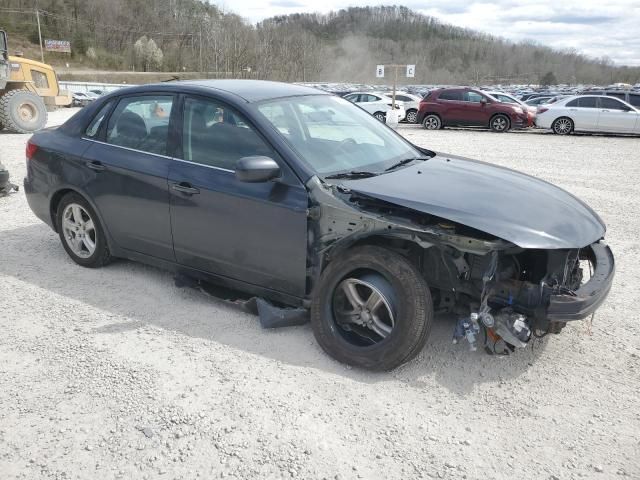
(503, 294)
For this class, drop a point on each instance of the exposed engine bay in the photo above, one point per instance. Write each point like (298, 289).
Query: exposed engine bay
(504, 295)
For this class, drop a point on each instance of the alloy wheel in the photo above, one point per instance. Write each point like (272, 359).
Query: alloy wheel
(79, 230)
(432, 123)
(412, 117)
(499, 124)
(562, 126)
(363, 309)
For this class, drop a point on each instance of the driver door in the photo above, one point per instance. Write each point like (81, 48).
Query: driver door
(251, 232)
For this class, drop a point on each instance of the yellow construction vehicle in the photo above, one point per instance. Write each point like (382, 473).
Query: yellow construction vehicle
(27, 90)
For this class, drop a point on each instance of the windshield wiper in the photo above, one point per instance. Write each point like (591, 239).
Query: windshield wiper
(352, 174)
(404, 162)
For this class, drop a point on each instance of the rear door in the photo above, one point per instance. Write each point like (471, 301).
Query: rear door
(451, 107)
(585, 112)
(615, 116)
(129, 161)
(252, 232)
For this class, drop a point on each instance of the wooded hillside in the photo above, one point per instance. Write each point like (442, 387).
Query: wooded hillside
(192, 35)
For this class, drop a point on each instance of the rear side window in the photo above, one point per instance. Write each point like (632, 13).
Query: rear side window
(457, 95)
(93, 129)
(584, 102)
(141, 123)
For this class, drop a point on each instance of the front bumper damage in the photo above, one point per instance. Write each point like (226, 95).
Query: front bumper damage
(500, 292)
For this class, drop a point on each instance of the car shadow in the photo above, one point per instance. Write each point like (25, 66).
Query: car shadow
(136, 295)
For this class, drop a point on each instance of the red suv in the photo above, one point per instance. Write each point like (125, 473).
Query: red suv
(470, 108)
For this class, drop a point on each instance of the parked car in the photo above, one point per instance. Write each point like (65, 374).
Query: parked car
(410, 102)
(376, 104)
(299, 197)
(80, 99)
(589, 113)
(534, 102)
(629, 96)
(463, 106)
(506, 98)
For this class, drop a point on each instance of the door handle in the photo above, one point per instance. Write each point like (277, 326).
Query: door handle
(603, 110)
(186, 188)
(97, 166)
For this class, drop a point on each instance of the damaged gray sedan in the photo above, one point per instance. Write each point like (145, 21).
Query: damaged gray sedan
(301, 198)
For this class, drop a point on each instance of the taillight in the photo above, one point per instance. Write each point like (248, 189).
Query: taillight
(542, 110)
(31, 150)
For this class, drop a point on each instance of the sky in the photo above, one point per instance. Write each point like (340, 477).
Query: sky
(593, 27)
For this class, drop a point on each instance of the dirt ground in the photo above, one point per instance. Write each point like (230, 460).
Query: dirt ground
(116, 373)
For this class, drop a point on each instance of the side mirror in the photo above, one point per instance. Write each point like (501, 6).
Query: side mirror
(483, 101)
(256, 169)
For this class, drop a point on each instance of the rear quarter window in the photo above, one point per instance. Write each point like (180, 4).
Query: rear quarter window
(93, 129)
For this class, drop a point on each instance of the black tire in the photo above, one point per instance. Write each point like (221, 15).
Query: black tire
(101, 255)
(500, 123)
(22, 111)
(381, 116)
(412, 116)
(432, 122)
(562, 126)
(412, 304)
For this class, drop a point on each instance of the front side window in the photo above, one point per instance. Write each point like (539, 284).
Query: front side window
(333, 136)
(472, 97)
(39, 79)
(215, 135)
(611, 104)
(93, 129)
(141, 123)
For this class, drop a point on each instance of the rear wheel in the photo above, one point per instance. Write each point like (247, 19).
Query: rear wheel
(432, 122)
(80, 231)
(372, 309)
(22, 111)
(500, 123)
(381, 116)
(412, 116)
(562, 126)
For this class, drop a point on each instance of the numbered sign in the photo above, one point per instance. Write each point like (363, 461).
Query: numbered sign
(380, 71)
(411, 71)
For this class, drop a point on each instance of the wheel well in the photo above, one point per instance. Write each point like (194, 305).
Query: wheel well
(564, 116)
(55, 201)
(406, 248)
(500, 114)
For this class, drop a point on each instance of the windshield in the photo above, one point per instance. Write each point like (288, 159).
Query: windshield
(332, 135)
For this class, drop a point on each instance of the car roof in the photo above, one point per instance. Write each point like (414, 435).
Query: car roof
(248, 90)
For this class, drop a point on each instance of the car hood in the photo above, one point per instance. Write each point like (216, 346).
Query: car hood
(516, 207)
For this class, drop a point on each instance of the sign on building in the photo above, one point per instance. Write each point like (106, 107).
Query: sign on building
(61, 46)
(411, 71)
(380, 71)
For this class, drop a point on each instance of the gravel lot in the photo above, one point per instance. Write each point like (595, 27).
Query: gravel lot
(116, 373)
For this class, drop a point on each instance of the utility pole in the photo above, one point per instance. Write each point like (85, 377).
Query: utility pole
(40, 35)
(200, 50)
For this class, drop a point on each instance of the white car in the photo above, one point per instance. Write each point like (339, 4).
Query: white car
(376, 104)
(411, 104)
(589, 113)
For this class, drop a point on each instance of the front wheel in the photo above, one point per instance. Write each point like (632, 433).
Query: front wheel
(372, 309)
(80, 232)
(500, 123)
(562, 126)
